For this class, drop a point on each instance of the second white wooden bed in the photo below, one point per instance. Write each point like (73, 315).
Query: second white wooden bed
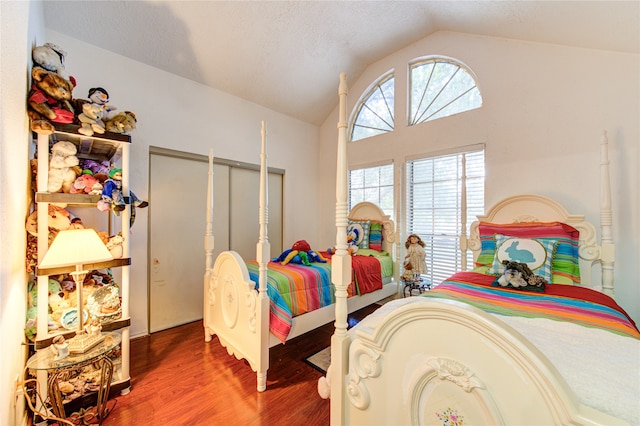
(424, 360)
(239, 315)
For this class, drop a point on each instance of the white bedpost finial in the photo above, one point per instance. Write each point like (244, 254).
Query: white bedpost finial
(606, 218)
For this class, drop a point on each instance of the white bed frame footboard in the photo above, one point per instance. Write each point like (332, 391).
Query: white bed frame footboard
(415, 359)
(239, 315)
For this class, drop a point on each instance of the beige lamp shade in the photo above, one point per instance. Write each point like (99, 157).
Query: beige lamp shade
(75, 247)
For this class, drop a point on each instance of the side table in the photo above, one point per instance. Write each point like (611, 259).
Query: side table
(421, 285)
(44, 359)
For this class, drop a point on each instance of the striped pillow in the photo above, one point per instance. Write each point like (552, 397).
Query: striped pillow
(375, 236)
(565, 267)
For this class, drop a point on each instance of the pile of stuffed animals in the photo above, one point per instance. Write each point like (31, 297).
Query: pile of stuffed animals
(300, 253)
(50, 99)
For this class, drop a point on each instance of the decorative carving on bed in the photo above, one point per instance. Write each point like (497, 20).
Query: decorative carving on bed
(472, 385)
(365, 364)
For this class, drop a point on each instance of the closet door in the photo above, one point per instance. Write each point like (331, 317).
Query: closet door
(177, 221)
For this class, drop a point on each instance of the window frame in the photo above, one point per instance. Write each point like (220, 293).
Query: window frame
(362, 101)
(411, 120)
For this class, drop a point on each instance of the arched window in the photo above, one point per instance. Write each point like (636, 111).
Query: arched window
(375, 111)
(440, 87)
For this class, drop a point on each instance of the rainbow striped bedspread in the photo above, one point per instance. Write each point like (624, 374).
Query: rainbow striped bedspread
(295, 289)
(575, 304)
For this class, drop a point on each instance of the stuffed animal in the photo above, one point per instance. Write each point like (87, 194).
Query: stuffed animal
(62, 165)
(58, 220)
(123, 122)
(355, 232)
(519, 275)
(87, 184)
(51, 92)
(91, 120)
(112, 198)
(49, 101)
(50, 57)
(300, 253)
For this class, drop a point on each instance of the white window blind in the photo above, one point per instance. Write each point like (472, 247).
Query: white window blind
(373, 184)
(435, 206)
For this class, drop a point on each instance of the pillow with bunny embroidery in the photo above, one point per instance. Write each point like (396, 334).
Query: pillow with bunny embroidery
(537, 254)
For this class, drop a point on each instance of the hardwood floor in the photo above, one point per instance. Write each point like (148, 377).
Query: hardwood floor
(179, 379)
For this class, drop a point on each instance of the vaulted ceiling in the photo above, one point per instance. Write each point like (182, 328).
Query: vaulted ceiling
(287, 55)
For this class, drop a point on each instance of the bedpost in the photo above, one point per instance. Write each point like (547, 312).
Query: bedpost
(606, 219)
(208, 244)
(340, 267)
(263, 253)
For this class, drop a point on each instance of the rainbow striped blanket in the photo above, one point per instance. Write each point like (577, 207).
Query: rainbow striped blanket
(295, 289)
(578, 305)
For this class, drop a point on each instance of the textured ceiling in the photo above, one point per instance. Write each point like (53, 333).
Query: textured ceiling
(287, 55)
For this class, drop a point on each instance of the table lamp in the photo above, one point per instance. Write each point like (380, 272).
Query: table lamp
(77, 247)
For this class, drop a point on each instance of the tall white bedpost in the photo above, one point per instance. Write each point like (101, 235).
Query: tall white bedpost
(208, 244)
(340, 267)
(606, 219)
(263, 252)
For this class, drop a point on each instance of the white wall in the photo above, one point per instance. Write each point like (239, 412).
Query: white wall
(180, 114)
(21, 24)
(544, 109)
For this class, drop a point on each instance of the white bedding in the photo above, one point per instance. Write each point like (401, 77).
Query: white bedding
(598, 375)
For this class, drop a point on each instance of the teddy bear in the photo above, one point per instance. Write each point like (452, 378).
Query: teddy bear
(62, 173)
(123, 122)
(58, 220)
(49, 100)
(90, 120)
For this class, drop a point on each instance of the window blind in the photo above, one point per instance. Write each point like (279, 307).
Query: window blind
(435, 206)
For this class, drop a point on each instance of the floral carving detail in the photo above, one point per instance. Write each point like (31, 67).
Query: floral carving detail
(456, 373)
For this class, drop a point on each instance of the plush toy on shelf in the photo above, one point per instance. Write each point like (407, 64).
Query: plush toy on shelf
(62, 172)
(95, 112)
(122, 122)
(112, 198)
(49, 100)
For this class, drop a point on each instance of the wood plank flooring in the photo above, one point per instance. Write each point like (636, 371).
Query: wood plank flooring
(179, 379)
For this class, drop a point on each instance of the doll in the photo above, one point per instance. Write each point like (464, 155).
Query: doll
(416, 255)
(113, 199)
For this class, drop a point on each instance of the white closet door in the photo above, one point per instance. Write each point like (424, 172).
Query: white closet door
(177, 214)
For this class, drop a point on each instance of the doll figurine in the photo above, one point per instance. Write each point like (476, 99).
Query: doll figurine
(60, 348)
(112, 197)
(416, 255)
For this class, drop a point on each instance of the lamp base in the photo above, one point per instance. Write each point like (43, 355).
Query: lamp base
(83, 342)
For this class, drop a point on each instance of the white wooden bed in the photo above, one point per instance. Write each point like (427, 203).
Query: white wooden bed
(422, 360)
(239, 315)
